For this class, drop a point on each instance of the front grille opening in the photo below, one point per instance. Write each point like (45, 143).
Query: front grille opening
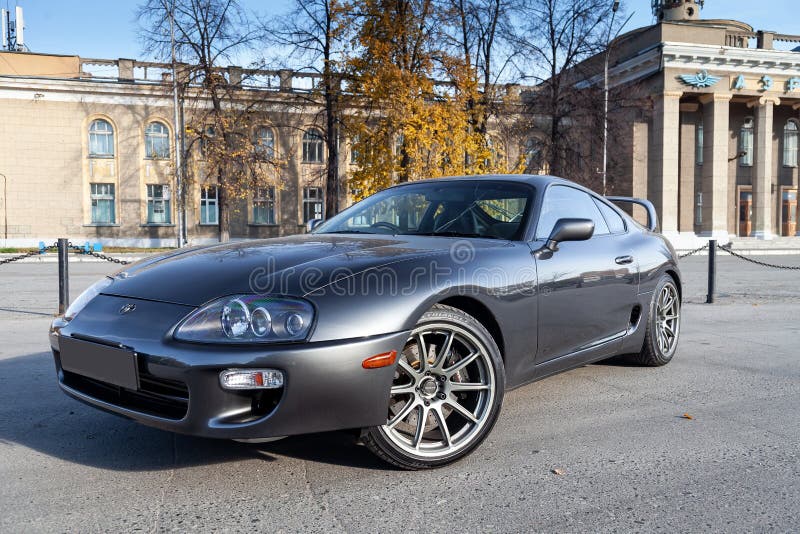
(262, 403)
(151, 399)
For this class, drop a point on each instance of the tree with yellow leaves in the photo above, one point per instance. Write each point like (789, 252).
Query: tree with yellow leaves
(405, 126)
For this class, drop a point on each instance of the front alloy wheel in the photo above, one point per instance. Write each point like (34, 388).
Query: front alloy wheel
(446, 393)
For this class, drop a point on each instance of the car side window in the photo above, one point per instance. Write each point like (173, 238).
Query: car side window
(615, 223)
(563, 202)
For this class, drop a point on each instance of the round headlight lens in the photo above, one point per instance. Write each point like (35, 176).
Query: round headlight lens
(248, 319)
(235, 318)
(260, 322)
(294, 324)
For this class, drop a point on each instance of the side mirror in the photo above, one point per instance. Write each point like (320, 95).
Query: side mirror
(313, 223)
(569, 230)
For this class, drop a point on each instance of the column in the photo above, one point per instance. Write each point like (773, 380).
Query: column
(796, 107)
(716, 135)
(666, 149)
(762, 168)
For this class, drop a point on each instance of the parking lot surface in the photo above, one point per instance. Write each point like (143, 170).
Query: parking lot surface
(628, 458)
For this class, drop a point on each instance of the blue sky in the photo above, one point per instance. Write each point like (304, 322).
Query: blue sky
(108, 29)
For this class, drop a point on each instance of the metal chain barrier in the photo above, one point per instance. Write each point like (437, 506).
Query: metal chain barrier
(73, 248)
(20, 257)
(693, 252)
(757, 262)
(86, 252)
(41, 250)
(103, 257)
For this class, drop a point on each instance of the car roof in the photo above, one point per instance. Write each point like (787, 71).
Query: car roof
(536, 180)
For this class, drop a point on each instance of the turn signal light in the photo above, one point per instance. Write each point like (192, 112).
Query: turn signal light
(380, 360)
(251, 379)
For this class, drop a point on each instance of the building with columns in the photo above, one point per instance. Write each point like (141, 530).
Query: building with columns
(713, 142)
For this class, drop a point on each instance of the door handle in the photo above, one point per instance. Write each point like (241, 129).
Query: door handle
(624, 260)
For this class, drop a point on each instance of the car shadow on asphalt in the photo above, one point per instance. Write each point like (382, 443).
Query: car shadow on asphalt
(36, 414)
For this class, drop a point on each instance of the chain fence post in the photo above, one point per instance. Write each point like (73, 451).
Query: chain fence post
(712, 270)
(63, 275)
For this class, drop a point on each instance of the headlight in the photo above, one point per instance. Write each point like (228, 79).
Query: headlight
(84, 298)
(248, 319)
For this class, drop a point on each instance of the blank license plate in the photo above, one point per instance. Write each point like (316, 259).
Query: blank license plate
(101, 362)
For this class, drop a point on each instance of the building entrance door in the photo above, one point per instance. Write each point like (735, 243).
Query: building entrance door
(745, 210)
(788, 211)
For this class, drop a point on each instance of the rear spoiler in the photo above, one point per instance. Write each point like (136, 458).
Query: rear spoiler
(652, 218)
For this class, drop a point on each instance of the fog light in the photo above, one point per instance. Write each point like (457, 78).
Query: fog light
(251, 379)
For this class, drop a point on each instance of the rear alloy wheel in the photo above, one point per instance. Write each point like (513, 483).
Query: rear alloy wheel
(446, 394)
(663, 325)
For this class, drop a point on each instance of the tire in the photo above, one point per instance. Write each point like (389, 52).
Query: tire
(665, 313)
(443, 406)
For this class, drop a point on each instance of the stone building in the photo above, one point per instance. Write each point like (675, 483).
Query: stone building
(87, 153)
(715, 146)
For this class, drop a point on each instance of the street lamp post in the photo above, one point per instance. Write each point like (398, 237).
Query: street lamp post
(177, 128)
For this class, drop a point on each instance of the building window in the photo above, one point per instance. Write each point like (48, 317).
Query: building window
(698, 212)
(156, 141)
(790, 138)
(264, 205)
(312, 203)
(699, 154)
(206, 141)
(209, 205)
(354, 155)
(265, 142)
(102, 196)
(746, 143)
(534, 161)
(101, 139)
(312, 147)
(158, 198)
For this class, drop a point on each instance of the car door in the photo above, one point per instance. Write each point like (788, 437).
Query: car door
(587, 289)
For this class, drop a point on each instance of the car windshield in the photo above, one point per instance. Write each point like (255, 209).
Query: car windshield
(493, 210)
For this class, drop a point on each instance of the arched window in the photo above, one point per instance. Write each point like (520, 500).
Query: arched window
(790, 138)
(746, 143)
(101, 139)
(313, 148)
(265, 142)
(156, 141)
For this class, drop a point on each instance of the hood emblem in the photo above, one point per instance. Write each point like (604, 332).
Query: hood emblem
(127, 309)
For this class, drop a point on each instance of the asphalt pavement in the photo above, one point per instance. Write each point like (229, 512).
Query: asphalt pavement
(628, 458)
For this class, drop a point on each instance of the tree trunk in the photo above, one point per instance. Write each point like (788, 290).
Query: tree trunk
(224, 222)
(332, 141)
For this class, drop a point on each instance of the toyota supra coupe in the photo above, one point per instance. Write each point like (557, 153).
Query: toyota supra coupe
(405, 317)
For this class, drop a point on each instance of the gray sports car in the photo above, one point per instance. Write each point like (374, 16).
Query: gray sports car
(405, 317)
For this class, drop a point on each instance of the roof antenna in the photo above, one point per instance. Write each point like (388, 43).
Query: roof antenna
(13, 31)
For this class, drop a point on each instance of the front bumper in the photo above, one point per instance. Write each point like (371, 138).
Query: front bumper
(325, 387)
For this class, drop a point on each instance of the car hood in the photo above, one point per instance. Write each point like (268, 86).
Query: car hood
(294, 265)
